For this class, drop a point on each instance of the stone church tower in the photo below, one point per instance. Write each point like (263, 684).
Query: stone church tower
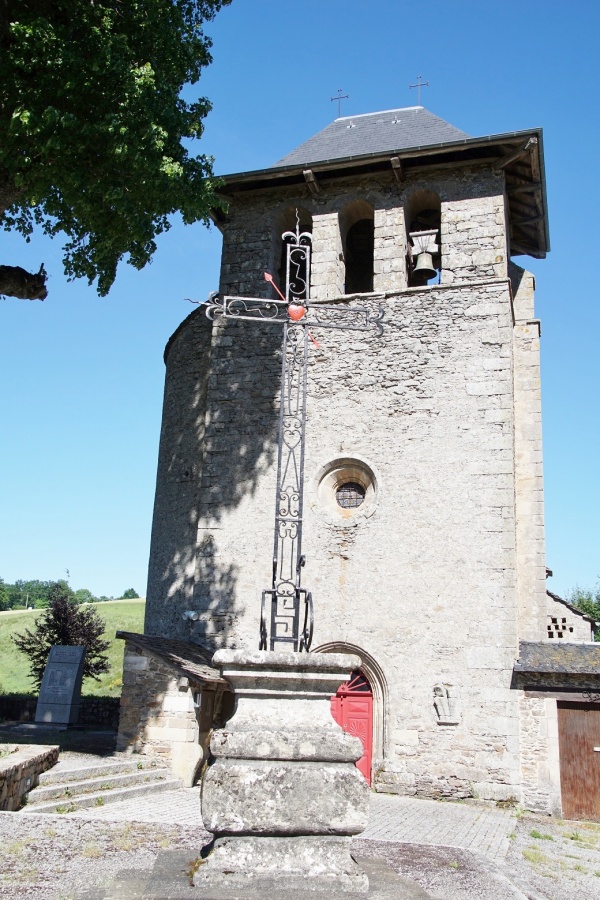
(423, 498)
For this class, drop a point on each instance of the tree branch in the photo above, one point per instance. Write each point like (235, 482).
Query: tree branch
(17, 282)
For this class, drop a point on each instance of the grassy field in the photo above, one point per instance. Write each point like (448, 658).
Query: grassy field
(123, 615)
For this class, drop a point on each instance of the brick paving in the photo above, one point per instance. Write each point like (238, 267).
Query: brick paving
(468, 826)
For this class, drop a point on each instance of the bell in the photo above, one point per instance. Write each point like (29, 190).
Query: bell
(424, 267)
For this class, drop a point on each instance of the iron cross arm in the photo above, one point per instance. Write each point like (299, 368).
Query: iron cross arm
(317, 315)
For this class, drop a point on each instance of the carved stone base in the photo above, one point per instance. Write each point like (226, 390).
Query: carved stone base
(301, 863)
(283, 797)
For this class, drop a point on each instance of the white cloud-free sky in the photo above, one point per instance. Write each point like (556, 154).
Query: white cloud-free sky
(82, 377)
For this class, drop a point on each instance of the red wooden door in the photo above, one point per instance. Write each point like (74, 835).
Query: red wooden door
(352, 708)
(579, 747)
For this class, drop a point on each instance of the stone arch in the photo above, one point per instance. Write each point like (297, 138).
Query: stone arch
(357, 231)
(423, 212)
(286, 221)
(379, 687)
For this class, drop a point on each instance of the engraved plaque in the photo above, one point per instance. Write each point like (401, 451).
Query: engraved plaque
(60, 690)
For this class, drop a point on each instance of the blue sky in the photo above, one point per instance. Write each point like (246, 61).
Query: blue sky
(82, 376)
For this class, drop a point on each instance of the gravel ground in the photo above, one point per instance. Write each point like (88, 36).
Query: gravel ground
(558, 859)
(548, 859)
(50, 857)
(56, 857)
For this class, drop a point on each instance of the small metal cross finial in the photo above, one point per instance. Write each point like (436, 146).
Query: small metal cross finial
(339, 99)
(418, 86)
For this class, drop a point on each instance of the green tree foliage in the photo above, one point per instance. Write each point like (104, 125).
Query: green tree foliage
(65, 623)
(82, 595)
(4, 595)
(588, 601)
(33, 593)
(129, 594)
(92, 127)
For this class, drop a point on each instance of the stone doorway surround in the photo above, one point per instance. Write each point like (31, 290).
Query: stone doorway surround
(379, 687)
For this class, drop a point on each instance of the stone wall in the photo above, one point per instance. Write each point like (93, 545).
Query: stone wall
(540, 765)
(433, 576)
(20, 771)
(473, 231)
(529, 484)
(165, 715)
(564, 624)
(428, 408)
(102, 712)
(175, 521)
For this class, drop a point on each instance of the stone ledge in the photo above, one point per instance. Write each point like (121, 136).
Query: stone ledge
(20, 771)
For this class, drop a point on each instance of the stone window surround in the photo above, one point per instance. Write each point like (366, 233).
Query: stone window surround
(329, 478)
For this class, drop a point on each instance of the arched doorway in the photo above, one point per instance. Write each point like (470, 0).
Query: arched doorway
(352, 708)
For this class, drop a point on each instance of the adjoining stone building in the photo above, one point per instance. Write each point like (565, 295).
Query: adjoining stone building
(435, 570)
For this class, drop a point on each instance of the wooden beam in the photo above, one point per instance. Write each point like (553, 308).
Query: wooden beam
(521, 248)
(397, 169)
(524, 188)
(311, 180)
(522, 151)
(530, 221)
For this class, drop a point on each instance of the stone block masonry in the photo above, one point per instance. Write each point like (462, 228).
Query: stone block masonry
(429, 409)
(281, 795)
(165, 713)
(20, 769)
(433, 579)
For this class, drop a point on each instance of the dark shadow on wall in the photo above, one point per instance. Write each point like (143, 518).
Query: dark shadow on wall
(218, 439)
(214, 598)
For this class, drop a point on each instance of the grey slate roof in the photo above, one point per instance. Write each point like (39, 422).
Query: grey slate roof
(373, 133)
(553, 656)
(191, 659)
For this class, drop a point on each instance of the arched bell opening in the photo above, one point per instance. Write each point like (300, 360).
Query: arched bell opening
(423, 217)
(357, 229)
(368, 678)
(291, 221)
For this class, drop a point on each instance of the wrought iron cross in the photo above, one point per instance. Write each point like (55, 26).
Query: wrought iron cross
(339, 99)
(286, 602)
(418, 86)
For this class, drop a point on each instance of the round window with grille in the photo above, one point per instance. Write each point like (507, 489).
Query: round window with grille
(350, 495)
(346, 491)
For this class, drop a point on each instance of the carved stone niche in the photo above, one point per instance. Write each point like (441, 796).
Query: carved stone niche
(446, 702)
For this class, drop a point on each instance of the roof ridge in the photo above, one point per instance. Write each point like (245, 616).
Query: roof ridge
(379, 112)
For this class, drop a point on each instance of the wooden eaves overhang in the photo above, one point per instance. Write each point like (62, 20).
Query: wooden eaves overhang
(518, 154)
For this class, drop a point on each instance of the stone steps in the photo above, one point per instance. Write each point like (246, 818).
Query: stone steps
(63, 773)
(102, 784)
(68, 789)
(102, 798)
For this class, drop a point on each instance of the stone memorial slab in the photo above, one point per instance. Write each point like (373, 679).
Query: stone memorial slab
(60, 691)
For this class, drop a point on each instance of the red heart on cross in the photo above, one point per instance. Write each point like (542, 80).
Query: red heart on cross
(296, 312)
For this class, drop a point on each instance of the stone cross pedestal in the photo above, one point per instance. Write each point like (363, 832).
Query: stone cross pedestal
(283, 797)
(60, 691)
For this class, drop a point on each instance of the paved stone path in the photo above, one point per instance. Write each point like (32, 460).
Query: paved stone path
(395, 819)
(467, 825)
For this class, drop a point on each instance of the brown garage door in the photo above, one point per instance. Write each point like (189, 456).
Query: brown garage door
(579, 746)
